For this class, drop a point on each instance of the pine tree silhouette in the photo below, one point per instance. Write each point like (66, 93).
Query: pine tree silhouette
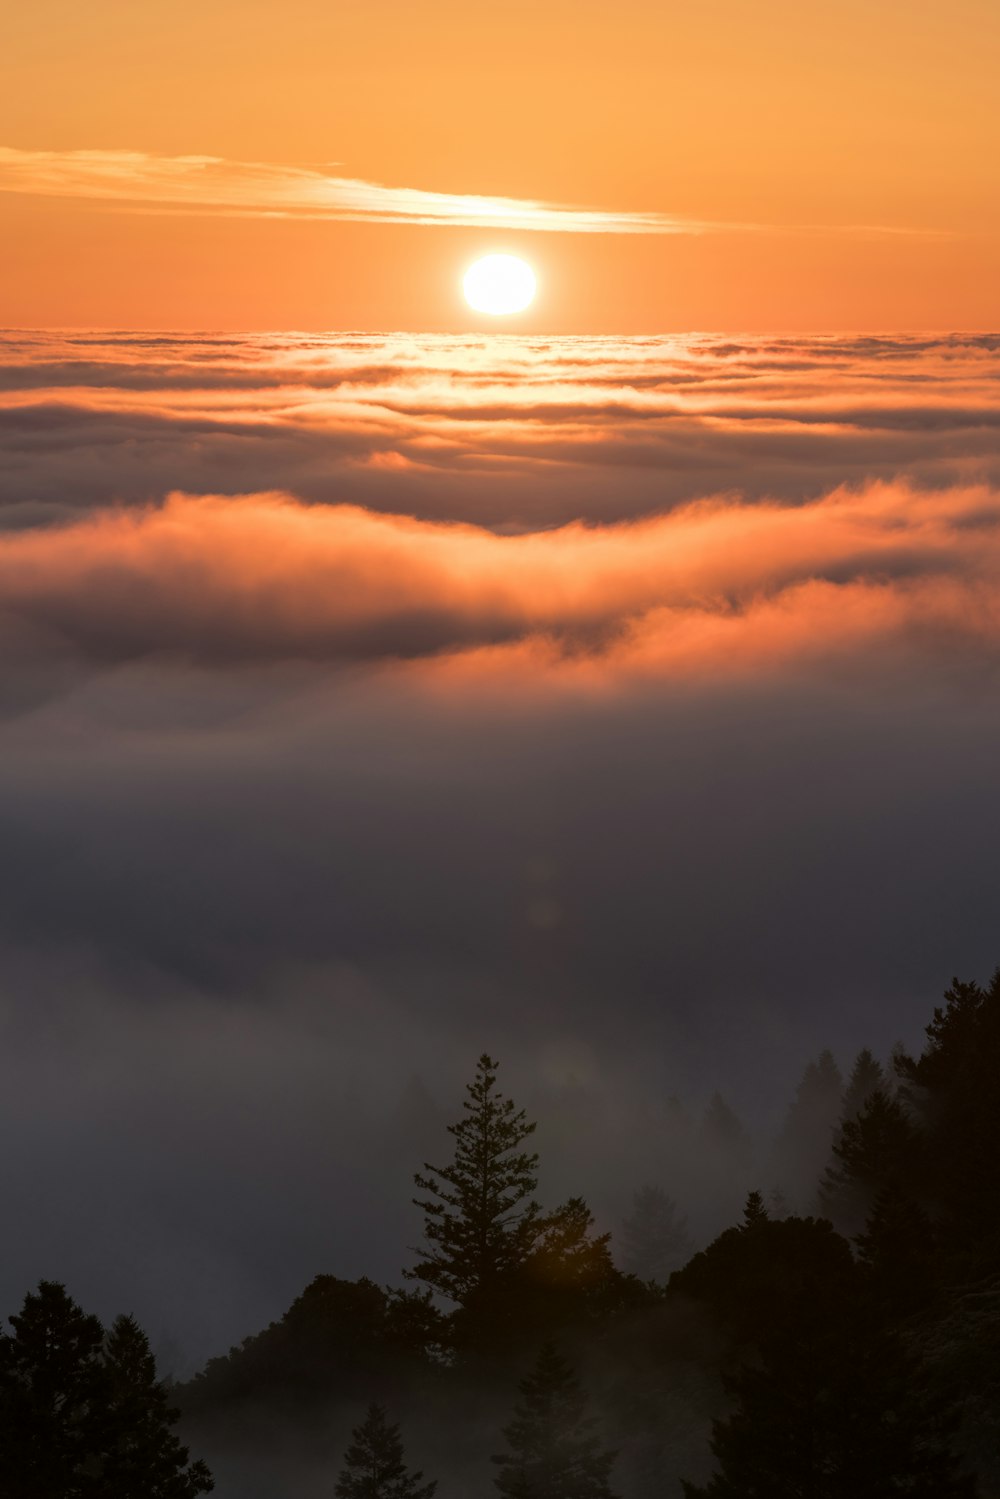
(374, 1466)
(754, 1212)
(554, 1449)
(82, 1416)
(50, 1373)
(140, 1457)
(952, 1087)
(873, 1153)
(480, 1219)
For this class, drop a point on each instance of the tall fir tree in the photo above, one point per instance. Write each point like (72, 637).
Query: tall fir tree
(139, 1455)
(655, 1238)
(374, 1464)
(554, 1448)
(50, 1384)
(481, 1220)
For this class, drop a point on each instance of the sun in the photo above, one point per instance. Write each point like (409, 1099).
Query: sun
(499, 284)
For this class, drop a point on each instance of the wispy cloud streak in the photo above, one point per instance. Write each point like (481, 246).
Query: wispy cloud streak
(209, 184)
(139, 181)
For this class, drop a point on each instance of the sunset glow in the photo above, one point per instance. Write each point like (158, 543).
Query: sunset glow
(499, 741)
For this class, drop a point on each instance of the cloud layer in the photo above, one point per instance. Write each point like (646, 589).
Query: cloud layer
(715, 585)
(510, 433)
(628, 708)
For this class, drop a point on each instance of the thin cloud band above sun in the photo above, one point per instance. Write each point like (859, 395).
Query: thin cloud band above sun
(214, 185)
(211, 184)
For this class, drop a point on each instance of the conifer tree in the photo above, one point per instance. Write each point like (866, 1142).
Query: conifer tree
(554, 1450)
(867, 1077)
(82, 1416)
(828, 1409)
(374, 1466)
(568, 1281)
(873, 1153)
(568, 1253)
(480, 1218)
(754, 1212)
(952, 1088)
(140, 1457)
(655, 1238)
(898, 1250)
(49, 1382)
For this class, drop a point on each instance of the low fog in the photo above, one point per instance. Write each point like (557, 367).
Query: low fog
(278, 865)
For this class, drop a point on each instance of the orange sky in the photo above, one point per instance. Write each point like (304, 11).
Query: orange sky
(839, 165)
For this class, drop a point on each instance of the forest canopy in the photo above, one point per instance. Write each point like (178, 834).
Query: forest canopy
(840, 1339)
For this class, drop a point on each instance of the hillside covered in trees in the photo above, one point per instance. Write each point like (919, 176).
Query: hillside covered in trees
(841, 1340)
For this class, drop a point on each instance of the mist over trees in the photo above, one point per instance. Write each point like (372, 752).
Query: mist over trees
(838, 1339)
(553, 1445)
(374, 1466)
(654, 1237)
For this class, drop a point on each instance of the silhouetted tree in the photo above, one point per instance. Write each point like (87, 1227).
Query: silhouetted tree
(764, 1273)
(569, 1280)
(754, 1212)
(374, 1466)
(337, 1335)
(140, 1457)
(868, 1076)
(899, 1252)
(554, 1451)
(826, 1400)
(82, 1416)
(827, 1410)
(568, 1252)
(480, 1219)
(952, 1088)
(874, 1152)
(655, 1239)
(50, 1375)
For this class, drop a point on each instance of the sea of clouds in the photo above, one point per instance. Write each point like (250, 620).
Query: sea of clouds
(628, 708)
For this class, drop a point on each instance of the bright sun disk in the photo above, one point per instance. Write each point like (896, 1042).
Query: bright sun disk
(499, 284)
